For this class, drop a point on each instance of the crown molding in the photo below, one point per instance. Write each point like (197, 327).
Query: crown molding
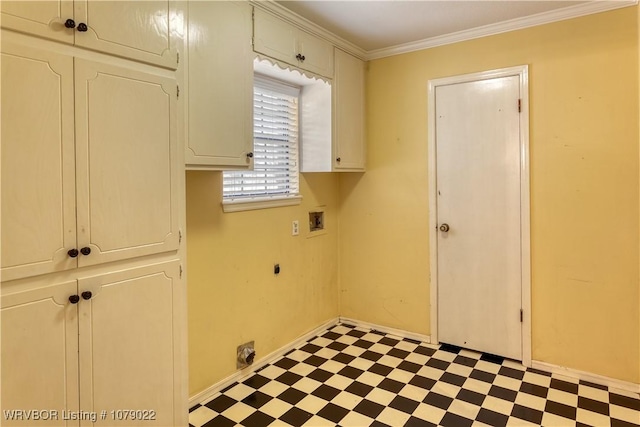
(503, 27)
(309, 26)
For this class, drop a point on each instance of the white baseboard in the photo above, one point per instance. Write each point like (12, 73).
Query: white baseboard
(391, 331)
(586, 376)
(242, 374)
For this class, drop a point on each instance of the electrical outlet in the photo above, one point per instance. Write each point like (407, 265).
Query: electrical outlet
(295, 228)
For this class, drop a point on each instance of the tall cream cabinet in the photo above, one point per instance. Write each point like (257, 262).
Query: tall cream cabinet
(141, 30)
(88, 162)
(93, 300)
(220, 85)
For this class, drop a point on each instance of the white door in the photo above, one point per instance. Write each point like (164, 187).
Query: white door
(477, 138)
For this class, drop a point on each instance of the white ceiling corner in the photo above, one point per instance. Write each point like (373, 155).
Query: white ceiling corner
(382, 28)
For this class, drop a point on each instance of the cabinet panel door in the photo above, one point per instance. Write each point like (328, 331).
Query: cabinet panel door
(40, 18)
(133, 29)
(127, 355)
(38, 167)
(127, 176)
(348, 108)
(274, 37)
(220, 85)
(39, 355)
(318, 54)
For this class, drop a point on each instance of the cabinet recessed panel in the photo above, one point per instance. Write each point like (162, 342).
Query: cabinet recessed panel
(38, 194)
(39, 356)
(274, 37)
(41, 18)
(134, 29)
(127, 346)
(127, 180)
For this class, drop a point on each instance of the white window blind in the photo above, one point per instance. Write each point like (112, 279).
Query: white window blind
(275, 145)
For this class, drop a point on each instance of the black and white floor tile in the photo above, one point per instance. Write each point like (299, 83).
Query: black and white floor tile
(349, 376)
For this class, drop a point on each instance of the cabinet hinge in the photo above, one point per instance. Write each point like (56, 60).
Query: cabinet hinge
(177, 57)
(181, 271)
(178, 92)
(519, 105)
(521, 316)
(179, 236)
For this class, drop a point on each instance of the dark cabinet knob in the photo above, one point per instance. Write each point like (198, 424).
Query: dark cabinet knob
(70, 23)
(82, 27)
(338, 159)
(86, 295)
(72, 253)
(300, 57)
(73, 299)
(85, 251)
(249, 155)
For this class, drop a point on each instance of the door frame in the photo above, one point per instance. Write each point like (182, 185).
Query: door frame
(522, 72)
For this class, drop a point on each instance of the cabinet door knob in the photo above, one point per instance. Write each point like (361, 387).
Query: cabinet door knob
(249, 155)
(70, 23)
(300, 57)
(82, 27)
(338, 159)
(73, 299)
(72, 253)
(85, 251)
(86, 295)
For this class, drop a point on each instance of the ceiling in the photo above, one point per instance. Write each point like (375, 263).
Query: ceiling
(378, 25)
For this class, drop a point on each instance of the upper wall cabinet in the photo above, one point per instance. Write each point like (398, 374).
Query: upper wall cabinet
(280, 40)
(220, 85)
(140, 30)
(96, 180)
(342, 149)
(348, 113)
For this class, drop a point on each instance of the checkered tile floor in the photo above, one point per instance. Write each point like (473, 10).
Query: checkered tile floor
(355, 377)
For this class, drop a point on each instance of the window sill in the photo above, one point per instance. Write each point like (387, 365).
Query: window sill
(240, 205)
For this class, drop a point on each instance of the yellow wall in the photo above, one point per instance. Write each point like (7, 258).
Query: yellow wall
(584, 189)
(233, 295)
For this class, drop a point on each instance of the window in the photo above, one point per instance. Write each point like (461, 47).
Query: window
(274, 180)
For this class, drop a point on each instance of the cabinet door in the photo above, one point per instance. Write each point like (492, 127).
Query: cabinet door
(40, 18)
(318, 54)
(39, 356)
(127, 173)
(38, 167)
(348, 108)
(274, 37)
(128, 359)
(139, 30)
(220, 98)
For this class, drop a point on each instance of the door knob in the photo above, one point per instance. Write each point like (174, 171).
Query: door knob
(85, 251)
(86, 295)
(72, 253)
(444, 228)
(73, 299)
(82, 27)
(70, 23)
